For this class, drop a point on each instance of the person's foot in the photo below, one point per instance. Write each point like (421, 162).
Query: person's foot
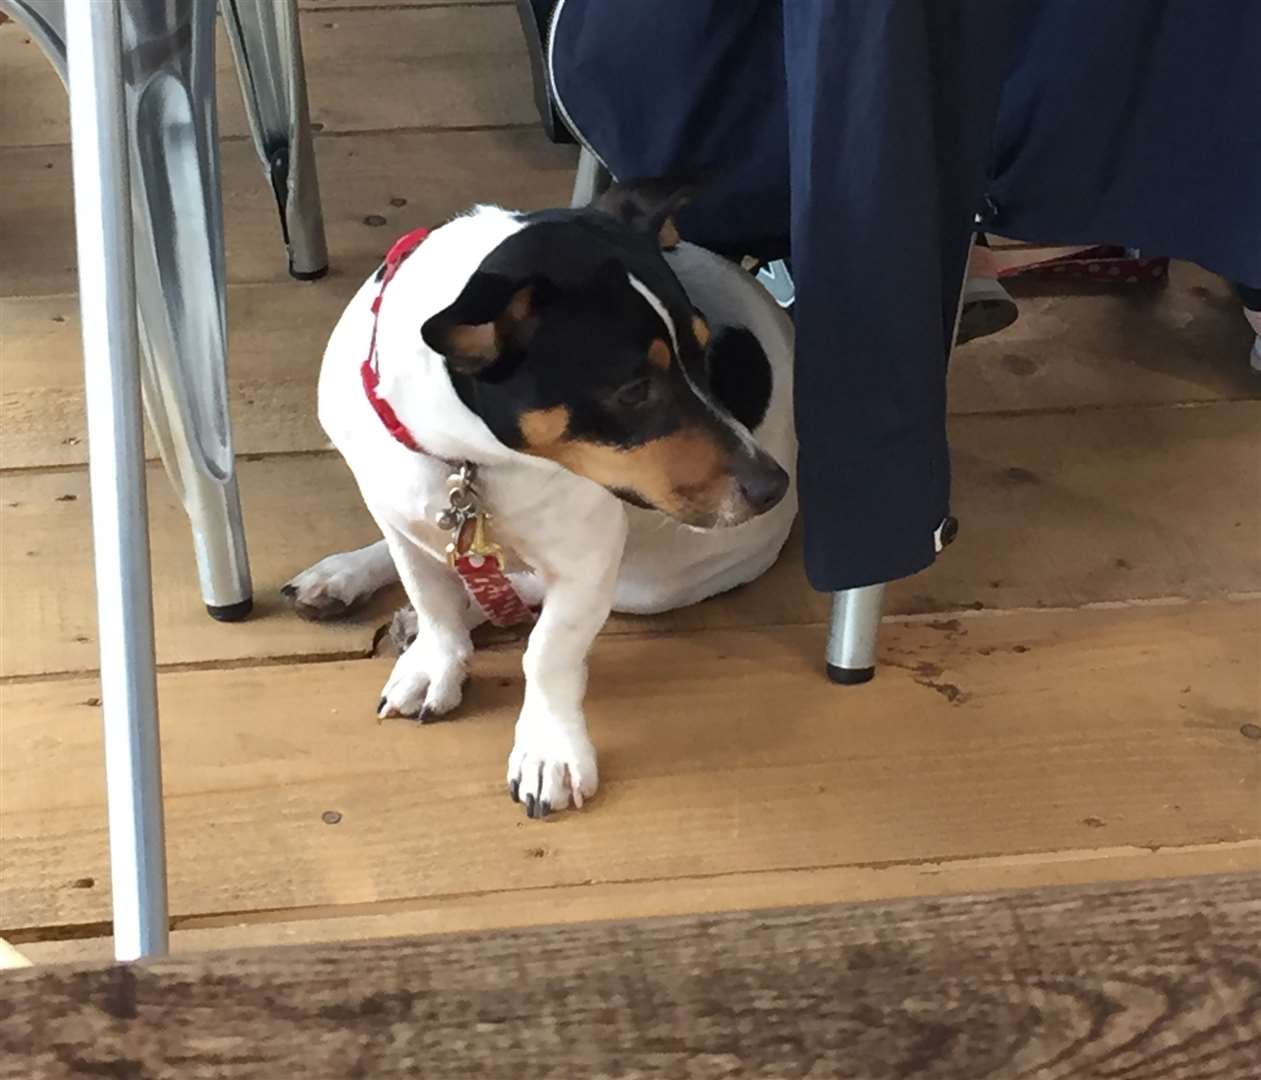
(987, 306)
(1254, 319)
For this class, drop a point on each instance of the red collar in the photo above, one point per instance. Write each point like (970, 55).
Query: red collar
(403, 247)
(478, 561)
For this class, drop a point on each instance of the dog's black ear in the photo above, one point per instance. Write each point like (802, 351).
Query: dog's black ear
(649, 206)
(492, 314)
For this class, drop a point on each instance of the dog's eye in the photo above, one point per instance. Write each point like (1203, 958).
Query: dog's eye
(634, 395)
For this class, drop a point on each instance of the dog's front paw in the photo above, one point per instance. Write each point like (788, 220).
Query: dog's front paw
(331, 588)
(550, 765)
(423, 685)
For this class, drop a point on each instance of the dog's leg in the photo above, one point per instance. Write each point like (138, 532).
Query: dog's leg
(552, 759)
(428, 679)
(338, 583)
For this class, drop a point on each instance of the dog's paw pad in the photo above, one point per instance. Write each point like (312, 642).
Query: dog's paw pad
(551, 770)
(422, 690)
(320, 593)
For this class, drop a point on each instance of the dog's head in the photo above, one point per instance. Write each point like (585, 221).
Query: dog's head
(574, 341)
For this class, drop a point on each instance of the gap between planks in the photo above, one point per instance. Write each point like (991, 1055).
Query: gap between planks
(512, 643)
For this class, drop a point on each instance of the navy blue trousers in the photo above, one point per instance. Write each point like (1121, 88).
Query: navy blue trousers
(864, 136)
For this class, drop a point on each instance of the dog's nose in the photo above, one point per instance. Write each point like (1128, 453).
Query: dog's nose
(763, 487)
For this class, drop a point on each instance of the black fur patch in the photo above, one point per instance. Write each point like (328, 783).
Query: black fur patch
(740, 375)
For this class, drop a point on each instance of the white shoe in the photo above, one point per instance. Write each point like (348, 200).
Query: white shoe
(1254, 320)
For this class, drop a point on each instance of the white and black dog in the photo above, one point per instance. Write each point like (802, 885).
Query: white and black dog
(629, 452)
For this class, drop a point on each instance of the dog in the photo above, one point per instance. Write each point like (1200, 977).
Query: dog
(596, 411)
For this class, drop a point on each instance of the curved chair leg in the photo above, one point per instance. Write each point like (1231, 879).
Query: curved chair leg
(169, 77)
(177, 225)
(268, 49)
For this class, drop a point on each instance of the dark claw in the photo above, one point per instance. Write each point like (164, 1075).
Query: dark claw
(421, 716)
(529, 805)
(380, 706)
(289, 590)
(514, 789)
(545, 808)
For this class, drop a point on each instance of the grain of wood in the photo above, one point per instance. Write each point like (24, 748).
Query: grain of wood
(362, 179)
(1100, 350)
(1160, 981)
(1026, 733)
(685, 895)
(371, 70)
(1135, 505)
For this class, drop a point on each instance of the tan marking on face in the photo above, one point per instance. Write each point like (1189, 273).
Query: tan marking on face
(543, 428)
(685, 474)
(520, 305)
(701, 329)
(659, 355)
(668, 235)
(473, 344)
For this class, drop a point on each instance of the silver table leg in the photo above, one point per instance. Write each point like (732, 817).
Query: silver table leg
(116, 469)
(268, 50)
(853, 632)
(855, 624)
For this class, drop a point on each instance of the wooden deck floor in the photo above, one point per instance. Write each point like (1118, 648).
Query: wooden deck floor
(1073, 694)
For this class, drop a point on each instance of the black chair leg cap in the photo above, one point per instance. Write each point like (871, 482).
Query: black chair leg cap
(850, 676)
(307, 275)
(231, 612)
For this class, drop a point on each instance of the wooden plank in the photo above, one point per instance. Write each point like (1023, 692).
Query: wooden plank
(1087, 351)
(679, 896)
(46, 576)
(1159, 980)
(362, 178)
(370, 70)
(1115, 506)
(276, 338)
(1027, 733)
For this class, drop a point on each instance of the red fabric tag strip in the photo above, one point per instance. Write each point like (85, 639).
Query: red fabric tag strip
(492, 591)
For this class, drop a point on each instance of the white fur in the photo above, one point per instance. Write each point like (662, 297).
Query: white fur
(581, 551)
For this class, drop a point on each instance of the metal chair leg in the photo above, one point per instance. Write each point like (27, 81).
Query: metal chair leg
(169, 80)
(177, 221)
(120, 525)
(852, 635)
(268, 49)
(591, 180)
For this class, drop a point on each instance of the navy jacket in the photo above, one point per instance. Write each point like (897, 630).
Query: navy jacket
(864, 136)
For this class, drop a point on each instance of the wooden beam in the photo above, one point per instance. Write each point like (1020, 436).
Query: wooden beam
(1158, 981)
